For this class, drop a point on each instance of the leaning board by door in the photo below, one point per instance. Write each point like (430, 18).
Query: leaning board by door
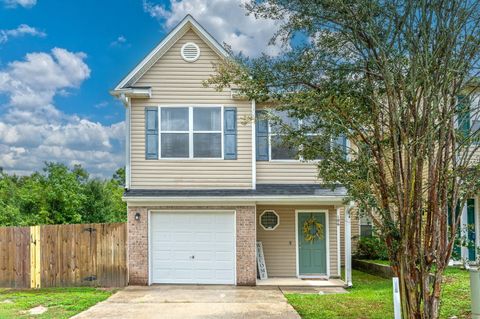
(262, 268)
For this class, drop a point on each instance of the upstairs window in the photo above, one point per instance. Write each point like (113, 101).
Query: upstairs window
(280, 149)
(191, 132)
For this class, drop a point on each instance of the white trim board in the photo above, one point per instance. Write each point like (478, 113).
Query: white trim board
(327, 240)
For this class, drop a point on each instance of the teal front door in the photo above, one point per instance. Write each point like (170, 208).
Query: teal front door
(312, 254)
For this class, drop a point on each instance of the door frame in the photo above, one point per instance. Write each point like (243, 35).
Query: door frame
(193, 210)
(327, 240)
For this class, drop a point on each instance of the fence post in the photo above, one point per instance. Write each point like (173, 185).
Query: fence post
(35, 281)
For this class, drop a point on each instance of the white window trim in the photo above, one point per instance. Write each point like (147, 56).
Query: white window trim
(269, 211)
(190, 131)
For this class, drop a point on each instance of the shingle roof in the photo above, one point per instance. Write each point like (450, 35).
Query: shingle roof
(261, 190)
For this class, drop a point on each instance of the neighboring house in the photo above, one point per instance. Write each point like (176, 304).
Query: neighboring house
(204, 183)
(470, 219)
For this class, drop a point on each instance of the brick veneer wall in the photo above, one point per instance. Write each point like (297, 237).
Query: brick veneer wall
(138, 242)
(246, 238)
(137, 247)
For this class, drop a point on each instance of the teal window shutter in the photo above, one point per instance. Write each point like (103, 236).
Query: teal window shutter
(261, 127)
(463, 109)
(151, 133)
(230, 133)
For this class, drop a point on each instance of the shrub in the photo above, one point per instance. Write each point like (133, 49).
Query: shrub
(371, 248)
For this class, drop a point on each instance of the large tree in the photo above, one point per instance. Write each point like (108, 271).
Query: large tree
(398, 79)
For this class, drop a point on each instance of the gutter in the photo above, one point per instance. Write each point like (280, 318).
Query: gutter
(138, 92)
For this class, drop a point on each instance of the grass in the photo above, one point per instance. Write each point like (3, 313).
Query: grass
(61, 302)
(371, 298)
(378, 261)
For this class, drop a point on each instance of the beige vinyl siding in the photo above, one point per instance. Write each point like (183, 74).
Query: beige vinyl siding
(175, 81)
(279, 245)
(286, 172)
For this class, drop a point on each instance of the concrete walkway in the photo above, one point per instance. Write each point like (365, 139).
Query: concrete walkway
(186, 301)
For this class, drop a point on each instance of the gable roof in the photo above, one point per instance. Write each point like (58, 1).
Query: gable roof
(182, 27)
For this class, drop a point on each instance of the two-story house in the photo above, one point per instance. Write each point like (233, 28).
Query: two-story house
(204, 183)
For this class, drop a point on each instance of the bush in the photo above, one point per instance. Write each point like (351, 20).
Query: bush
(371, 248)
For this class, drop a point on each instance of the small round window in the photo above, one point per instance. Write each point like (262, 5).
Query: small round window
(269, 220)
(190, 52)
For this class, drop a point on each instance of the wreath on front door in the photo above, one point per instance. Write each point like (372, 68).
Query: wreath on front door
(312, 229)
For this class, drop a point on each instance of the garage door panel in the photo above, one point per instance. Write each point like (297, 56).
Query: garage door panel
(162, 255)
(223, 274)
(224, 237)
(181, 236)
(177, 236)
(204, 237)
(205, 255)
(223, 256)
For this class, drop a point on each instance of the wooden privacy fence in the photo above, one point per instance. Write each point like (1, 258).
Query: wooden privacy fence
(63, 255)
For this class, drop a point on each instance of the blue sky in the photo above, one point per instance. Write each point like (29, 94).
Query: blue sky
(58, 59)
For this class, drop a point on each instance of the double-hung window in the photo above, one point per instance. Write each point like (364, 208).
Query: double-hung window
(280, 149)
(191, 132)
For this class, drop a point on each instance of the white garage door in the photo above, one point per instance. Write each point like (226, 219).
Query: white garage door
(192, 247)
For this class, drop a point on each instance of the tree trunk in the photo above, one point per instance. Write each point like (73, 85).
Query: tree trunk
(420, 295)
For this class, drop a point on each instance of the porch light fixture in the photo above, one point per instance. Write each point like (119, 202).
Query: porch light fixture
(137, 216)
(269, 220)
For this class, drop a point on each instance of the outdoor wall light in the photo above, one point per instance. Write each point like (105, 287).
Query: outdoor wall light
(137, 216)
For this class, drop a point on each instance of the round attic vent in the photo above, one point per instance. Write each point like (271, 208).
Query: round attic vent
(190, 52)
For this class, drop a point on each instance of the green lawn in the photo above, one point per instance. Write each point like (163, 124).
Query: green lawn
(61, 302)
(371, 298)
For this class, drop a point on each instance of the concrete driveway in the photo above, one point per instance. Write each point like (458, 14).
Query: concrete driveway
(166, 301)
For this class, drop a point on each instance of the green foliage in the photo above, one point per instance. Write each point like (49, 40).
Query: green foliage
(59, 195)
(372, 248)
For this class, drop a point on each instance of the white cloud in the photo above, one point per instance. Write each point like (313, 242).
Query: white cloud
(33, 130)
(226, 20)
(101, 105)
(22, 3)
(36, 80)
(21, 30)
(120, 41)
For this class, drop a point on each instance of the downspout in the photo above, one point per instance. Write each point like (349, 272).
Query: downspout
(339, 250)
(348, 245)
(127, 103)
(254, 147)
